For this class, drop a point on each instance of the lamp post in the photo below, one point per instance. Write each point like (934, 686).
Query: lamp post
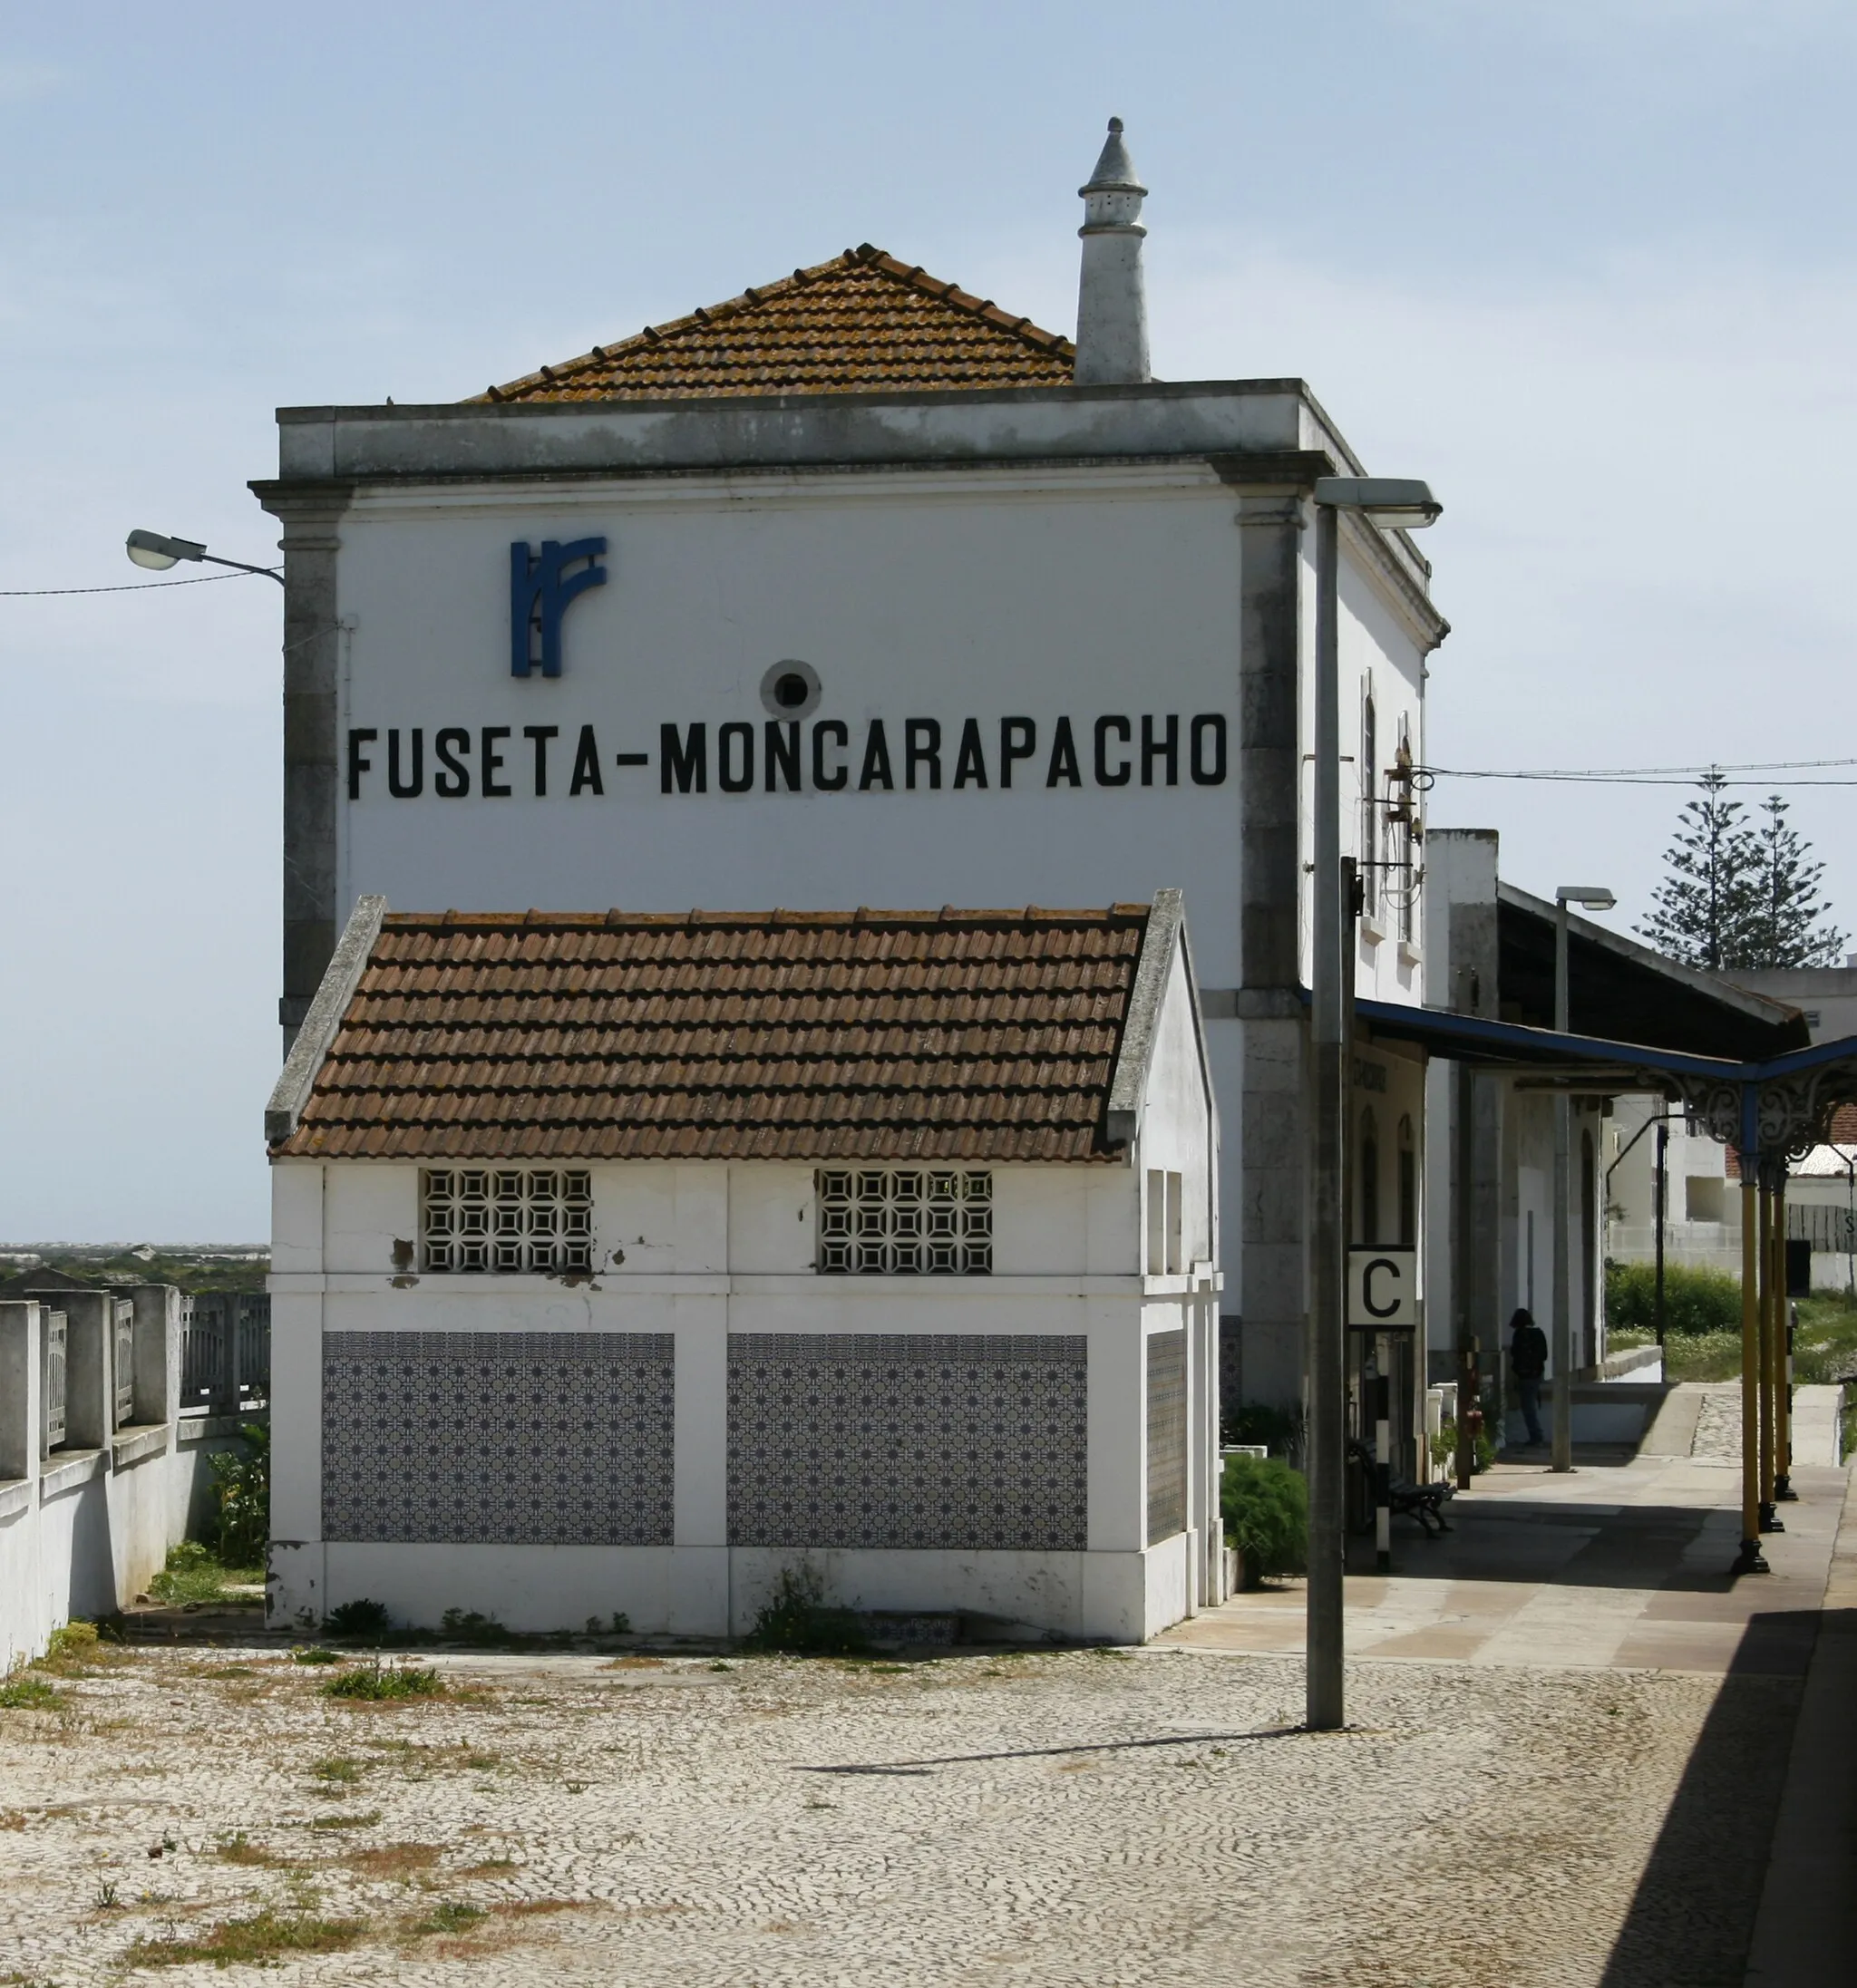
(1391, 501)
(1593, 897)
(157, 553)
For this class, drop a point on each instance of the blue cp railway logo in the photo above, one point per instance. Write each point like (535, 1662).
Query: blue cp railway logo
(541, 589)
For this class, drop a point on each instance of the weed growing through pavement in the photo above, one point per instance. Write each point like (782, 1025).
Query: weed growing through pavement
(382, 1684)
(106, 1897)
(340, 1769)
(238, 1848)
(25, 1692)
(261, 1937)
(797, 1621)
(393, 1859)
(366, 1821)
(450, 1915)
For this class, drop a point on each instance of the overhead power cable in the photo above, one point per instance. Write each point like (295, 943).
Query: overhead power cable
(129, 586)
(1650, 776)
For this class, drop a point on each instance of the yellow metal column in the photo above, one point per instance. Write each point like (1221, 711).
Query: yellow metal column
(1782, 1360)
(1765, 1376)
(1751, 1559)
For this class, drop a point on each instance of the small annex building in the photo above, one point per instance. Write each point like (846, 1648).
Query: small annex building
(622, 1261)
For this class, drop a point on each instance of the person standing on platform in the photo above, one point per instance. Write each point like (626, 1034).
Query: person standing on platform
(1528, 1361)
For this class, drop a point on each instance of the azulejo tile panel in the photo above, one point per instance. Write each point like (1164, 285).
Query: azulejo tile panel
(1166, 1434)
(506, 1438)
(968, 1442)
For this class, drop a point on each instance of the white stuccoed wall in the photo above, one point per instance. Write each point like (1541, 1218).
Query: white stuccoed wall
(86, 1528)
(1078, 589)
(715, 1247)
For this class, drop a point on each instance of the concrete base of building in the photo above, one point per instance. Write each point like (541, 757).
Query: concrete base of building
(719, 1591)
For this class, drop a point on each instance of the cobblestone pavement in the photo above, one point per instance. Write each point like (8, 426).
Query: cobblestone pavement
(1062, 1818)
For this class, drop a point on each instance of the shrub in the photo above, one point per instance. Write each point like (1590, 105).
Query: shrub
(484, 1632)
(359, 1618)
(1266, 1507)
(1279, 1430)
(796, 1619)
(1695, 1301)
(242, 1485)
(1483, 1451)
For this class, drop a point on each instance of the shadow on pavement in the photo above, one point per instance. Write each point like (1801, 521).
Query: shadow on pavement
(1691, 1920)
(1518, 1538)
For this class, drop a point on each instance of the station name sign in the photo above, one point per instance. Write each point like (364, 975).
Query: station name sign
(784, 755)
(796, 754)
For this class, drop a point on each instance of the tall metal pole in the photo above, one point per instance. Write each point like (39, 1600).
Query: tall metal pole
(1327, 1542)
(1564, 1141)
(1750, 1559)
(1659, 1201)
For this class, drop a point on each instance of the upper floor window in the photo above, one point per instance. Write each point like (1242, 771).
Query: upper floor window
(1370, 809)
(505, 1218)
(904, 1221)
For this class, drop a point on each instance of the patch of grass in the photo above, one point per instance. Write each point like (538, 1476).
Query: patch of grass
(315, 1653)
(393, 1859)
(490, 1867)
(238, 1848)
(25, 1691)
(1702, 1356)
(1824, 1347)
(263, 1936)
(796, 1620)
(366, 1821)
(450, 1915)
(340, 1769)
(1696, 1303)
(196, 1574)
(386, 1684)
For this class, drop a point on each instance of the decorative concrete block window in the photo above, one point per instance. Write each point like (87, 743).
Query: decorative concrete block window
(507, 1219)
(904, 1222)
(55, 1346)
(123, 1361)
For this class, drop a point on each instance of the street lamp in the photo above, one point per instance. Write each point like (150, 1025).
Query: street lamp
(1393, 503)
(1591, 897)
(157, 553)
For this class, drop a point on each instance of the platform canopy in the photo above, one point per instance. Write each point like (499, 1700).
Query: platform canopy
(1776, 1108)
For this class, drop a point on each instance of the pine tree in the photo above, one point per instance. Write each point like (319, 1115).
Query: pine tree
(1785, 930)
(1702, 912)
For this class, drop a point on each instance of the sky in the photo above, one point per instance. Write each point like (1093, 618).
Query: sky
(1589, 269)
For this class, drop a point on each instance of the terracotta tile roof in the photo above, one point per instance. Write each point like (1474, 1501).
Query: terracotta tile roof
(817, 1036)
(863, 322)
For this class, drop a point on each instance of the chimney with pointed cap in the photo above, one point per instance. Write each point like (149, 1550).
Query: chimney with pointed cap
(1111, 302)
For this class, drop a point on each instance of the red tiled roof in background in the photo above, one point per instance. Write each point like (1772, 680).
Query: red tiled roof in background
(863, 322)
(955, 1035)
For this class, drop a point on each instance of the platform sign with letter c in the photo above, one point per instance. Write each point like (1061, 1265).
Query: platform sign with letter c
(1382, 1289)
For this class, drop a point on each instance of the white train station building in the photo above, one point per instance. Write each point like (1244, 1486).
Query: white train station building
(862, 590)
